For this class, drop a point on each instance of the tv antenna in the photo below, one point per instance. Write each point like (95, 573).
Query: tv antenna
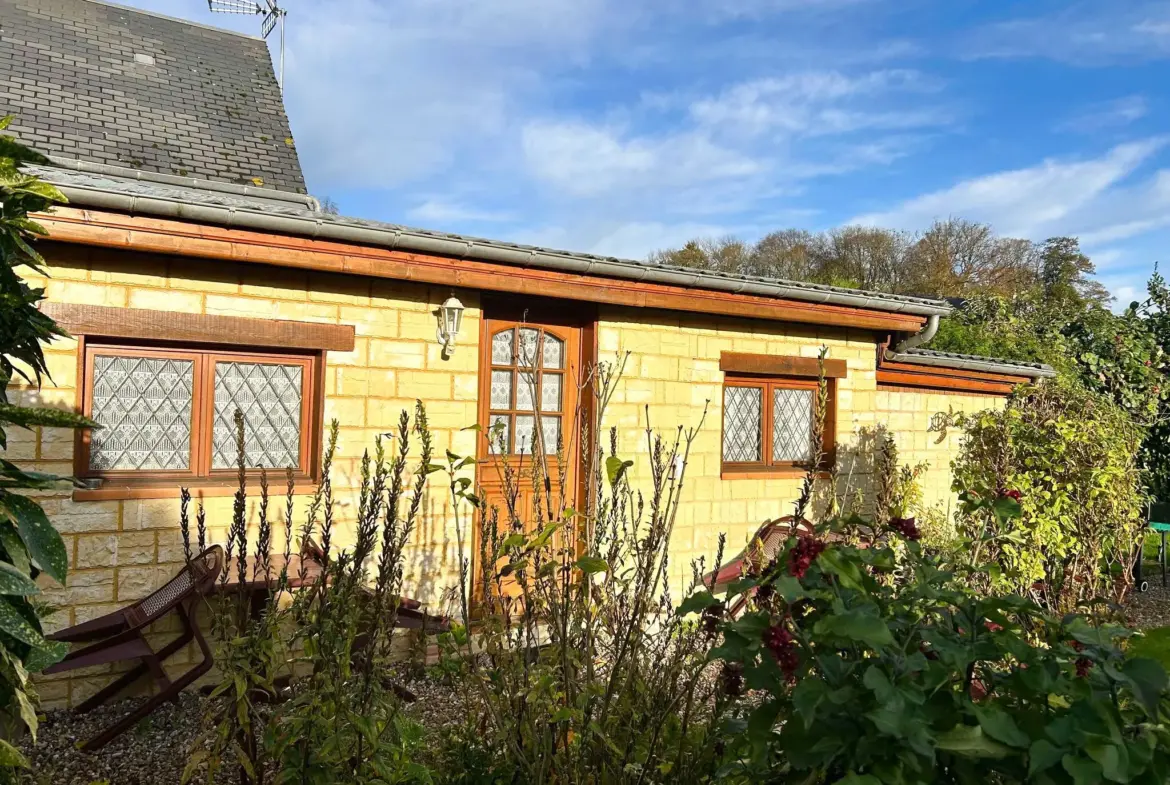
(271, 12)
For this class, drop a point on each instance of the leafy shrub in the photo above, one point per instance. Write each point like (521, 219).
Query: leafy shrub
(29, 545)
(864, 678)
(572, 662)
(1070, 458)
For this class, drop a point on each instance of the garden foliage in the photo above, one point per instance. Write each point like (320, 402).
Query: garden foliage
(1071, 457)
(29, 545)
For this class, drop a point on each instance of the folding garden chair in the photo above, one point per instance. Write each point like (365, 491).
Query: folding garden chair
(764, 546)
(119, 636)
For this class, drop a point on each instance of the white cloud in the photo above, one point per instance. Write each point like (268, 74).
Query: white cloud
(1109, 114)
(440, 212)
(589, 161)
(1052, 197)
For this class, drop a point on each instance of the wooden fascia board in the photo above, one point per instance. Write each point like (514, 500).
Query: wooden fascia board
(958, 373)
(165, 236)
(933, 381)
(777, 365)
(142, 324)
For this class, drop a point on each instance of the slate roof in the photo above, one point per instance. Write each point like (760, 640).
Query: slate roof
(957, 360)
(107, 187)
(98, 82)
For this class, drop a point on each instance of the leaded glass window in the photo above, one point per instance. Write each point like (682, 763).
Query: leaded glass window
(144, 406)
(768, 423)
(168, 412)
(270, 398)
(527, 384)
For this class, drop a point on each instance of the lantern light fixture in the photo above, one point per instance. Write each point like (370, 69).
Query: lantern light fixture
(450, 319)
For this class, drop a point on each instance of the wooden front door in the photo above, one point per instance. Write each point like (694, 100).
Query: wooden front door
(529, 384)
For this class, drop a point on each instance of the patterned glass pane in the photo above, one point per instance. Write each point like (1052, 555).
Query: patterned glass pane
(270, 398)
(524, 388)
(792, 421)
(551, 427)
(145, 405)
(501, 389)
(554, 352)
(498, 432)
(742, 418)
(550, 392)
(502, 348)
(529, 338)
(525, 429)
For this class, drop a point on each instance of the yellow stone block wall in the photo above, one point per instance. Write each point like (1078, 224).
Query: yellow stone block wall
(122, 550)
(908, 414)
(672, 367)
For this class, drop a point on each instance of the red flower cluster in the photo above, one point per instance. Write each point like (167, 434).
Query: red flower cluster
(992, 626)
(779, 641)
(712, 615)
(978, 690)
(732, 679)
(1084, 665)
(1013, 494)
(803, 554)
(908, 527)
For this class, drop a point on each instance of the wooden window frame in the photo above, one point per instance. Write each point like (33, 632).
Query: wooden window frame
(767, 467)
(125, 483)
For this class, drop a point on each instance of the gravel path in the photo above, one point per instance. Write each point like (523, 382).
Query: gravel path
(1151, 608)
(155, 752)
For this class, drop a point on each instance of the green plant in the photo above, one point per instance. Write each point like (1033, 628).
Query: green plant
(576, 667)
(249, 650)
(1069, 457)
(29, 545)
(343, 721)
(861, 677)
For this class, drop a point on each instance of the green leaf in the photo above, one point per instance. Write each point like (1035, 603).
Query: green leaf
(45, 545)
(699, 601)
(13, 581)
(1083, 772)
(970, 742)
(1148, 679)
(13, 622)
(1042, 755)
(10, 757)
(615, 468)
(789, 588)
(27, 417)
(999, 725)
(42, 657)
(857, 626)
(13, 546)
(1005, 508)
(592, 564)
(853, 778)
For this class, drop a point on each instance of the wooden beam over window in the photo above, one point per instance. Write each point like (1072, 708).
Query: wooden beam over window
(774, 365)
(174, 327)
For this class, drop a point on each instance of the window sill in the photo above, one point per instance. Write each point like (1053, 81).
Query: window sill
(769, 474)
(111, 491)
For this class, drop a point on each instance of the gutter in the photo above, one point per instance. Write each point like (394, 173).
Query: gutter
(325, 227)
(985, 365)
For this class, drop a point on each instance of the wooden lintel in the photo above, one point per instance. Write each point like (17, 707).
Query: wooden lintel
(933, 381)
(166, 236)
(141, 324)
(773, 365)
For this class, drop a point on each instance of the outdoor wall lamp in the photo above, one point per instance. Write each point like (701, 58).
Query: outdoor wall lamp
(450, 318)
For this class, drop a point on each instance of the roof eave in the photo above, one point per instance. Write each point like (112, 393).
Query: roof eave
(981, 364)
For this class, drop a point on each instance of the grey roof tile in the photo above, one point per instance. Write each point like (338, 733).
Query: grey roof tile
(67, 70)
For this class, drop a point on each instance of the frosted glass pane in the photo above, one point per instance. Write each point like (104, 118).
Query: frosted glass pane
(792, 421)
(742, 418)
(551, 428)
(524, 389)
(144, 405)
(270, 398)
(501, 389)
(550, 392)
(554, 352)
(502, 348)
(529, 338)
(525, 428)
(498, 433)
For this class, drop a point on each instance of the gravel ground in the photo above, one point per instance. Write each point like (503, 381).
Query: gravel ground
(1149, 609)
(155, 752)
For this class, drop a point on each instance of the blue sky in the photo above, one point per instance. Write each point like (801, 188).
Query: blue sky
(622, 126)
